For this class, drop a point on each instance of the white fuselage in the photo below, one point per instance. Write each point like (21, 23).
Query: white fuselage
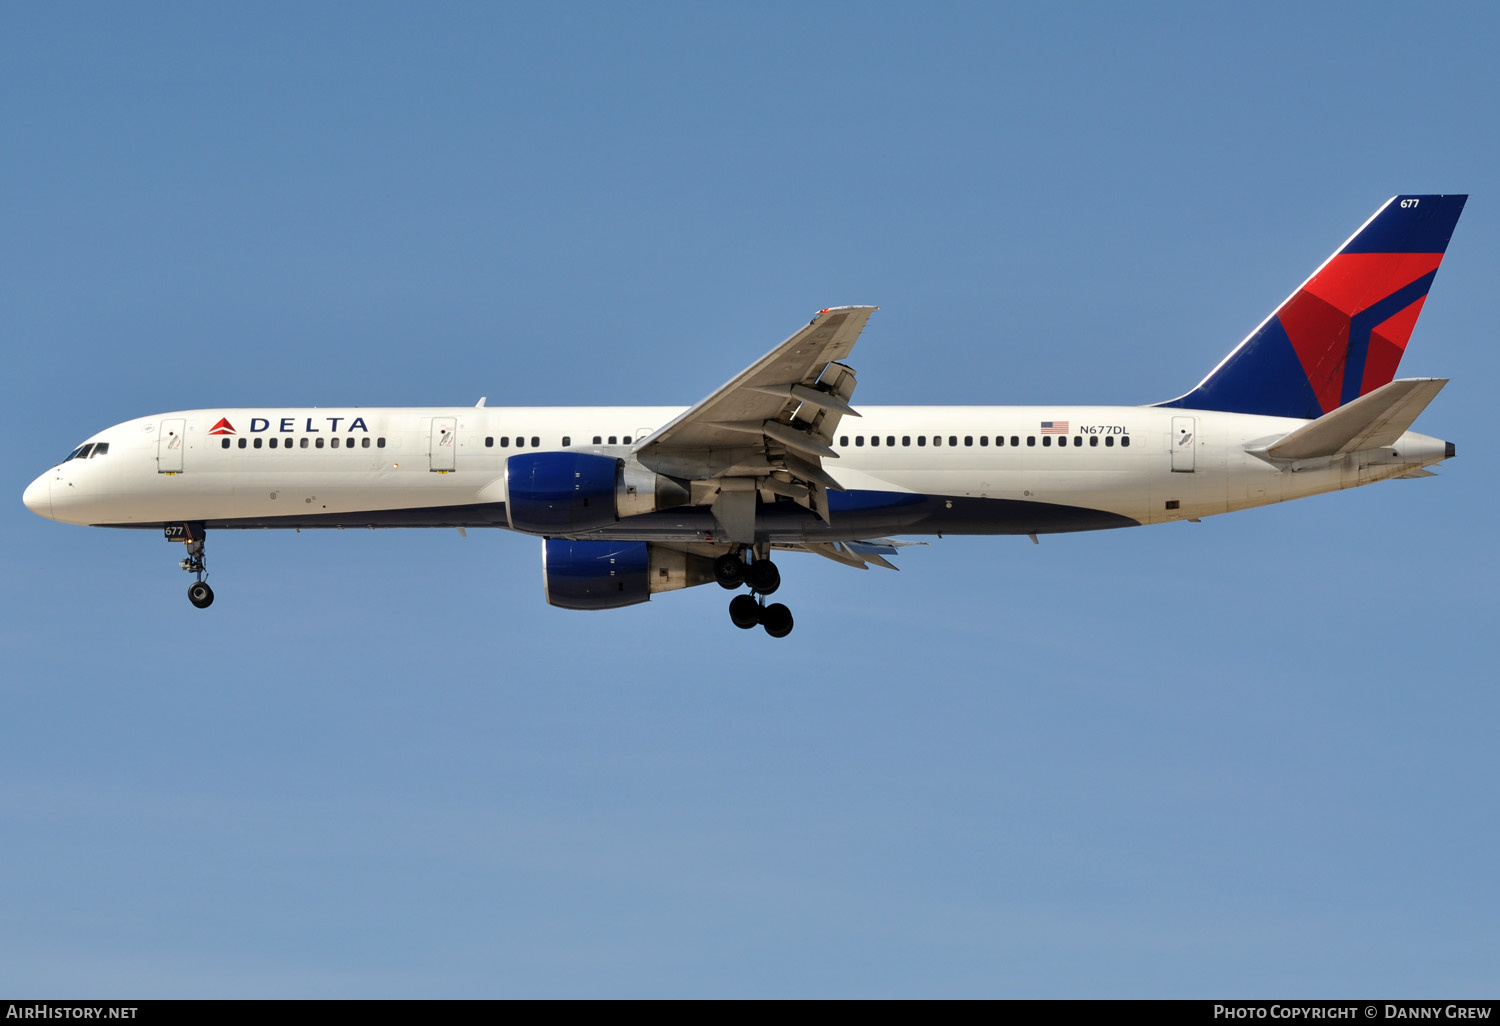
(392, 467)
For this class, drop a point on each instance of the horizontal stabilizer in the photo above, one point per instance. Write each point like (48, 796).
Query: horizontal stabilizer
(1370, 422)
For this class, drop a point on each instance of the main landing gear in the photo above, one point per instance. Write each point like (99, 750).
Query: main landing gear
(731, 571)
(199, 593)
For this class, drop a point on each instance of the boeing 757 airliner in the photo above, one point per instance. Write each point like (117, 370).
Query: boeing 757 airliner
(632, 501)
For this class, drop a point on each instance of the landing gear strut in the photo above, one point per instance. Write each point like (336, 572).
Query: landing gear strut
(199, 593)
(761, 575)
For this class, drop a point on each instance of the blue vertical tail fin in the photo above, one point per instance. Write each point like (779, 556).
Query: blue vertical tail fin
(1342, 334)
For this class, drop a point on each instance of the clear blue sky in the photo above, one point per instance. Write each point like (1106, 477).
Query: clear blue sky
(1254, 756)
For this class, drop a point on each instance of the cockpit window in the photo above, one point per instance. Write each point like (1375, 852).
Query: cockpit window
(80, 453)
(100, 448)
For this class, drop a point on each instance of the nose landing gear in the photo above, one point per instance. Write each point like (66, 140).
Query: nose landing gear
(746, 611)
(199, 593)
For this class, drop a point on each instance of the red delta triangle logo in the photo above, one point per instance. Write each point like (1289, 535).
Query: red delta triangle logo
(223, 427)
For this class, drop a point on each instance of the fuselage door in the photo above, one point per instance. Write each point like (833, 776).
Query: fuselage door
(444, 444)
(1184, 442)
(170, 442)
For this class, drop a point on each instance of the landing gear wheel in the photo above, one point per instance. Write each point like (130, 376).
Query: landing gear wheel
(763, 577)
(744, 611)
(729, 570)
(777, 620)
(200, 595)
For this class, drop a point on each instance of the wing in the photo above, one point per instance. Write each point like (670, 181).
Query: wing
(769, 429)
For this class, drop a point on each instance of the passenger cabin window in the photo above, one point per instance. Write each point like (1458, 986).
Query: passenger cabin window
(984, 440)
(1077, 441)
(952, 439)
(1124, 440)
(1046, 441)
(614, 439)
(1015, 440)
(937, 439)
(1109, 440)
(489, 441)
(567, 441)
(272, 443)
(303, 443)
(259, 443)
(859, 440)
(1031, 440)
(333, 443)
(906, 440)
(921, 440)
(520, 442)
(364, 443)
(598, 440)
(244, 442)
(224, 444)
(968, 439)
(874, 439)
(844, 441)
(1093, 440)
(625, 440)
(379, 443)
(535, 441)
(319, 443)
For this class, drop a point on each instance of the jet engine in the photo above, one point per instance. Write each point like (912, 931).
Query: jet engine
(554, 493)
(608, 575)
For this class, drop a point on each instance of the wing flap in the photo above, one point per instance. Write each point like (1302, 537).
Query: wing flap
(859, 554)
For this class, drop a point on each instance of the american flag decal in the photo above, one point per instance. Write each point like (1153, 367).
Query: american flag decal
(1054, 427)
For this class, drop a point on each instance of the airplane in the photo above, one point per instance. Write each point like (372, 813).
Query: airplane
(630, 502)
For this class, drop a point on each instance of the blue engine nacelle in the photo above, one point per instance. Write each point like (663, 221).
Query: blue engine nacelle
(608, 575)
(562, 493)
(595, 574)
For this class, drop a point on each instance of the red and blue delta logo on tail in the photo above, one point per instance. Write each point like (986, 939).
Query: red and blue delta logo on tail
(1343, 333)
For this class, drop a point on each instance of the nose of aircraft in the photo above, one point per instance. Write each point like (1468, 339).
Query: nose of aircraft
(38, 496)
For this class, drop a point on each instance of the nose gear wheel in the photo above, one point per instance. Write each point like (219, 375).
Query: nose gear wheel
(199, 593)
